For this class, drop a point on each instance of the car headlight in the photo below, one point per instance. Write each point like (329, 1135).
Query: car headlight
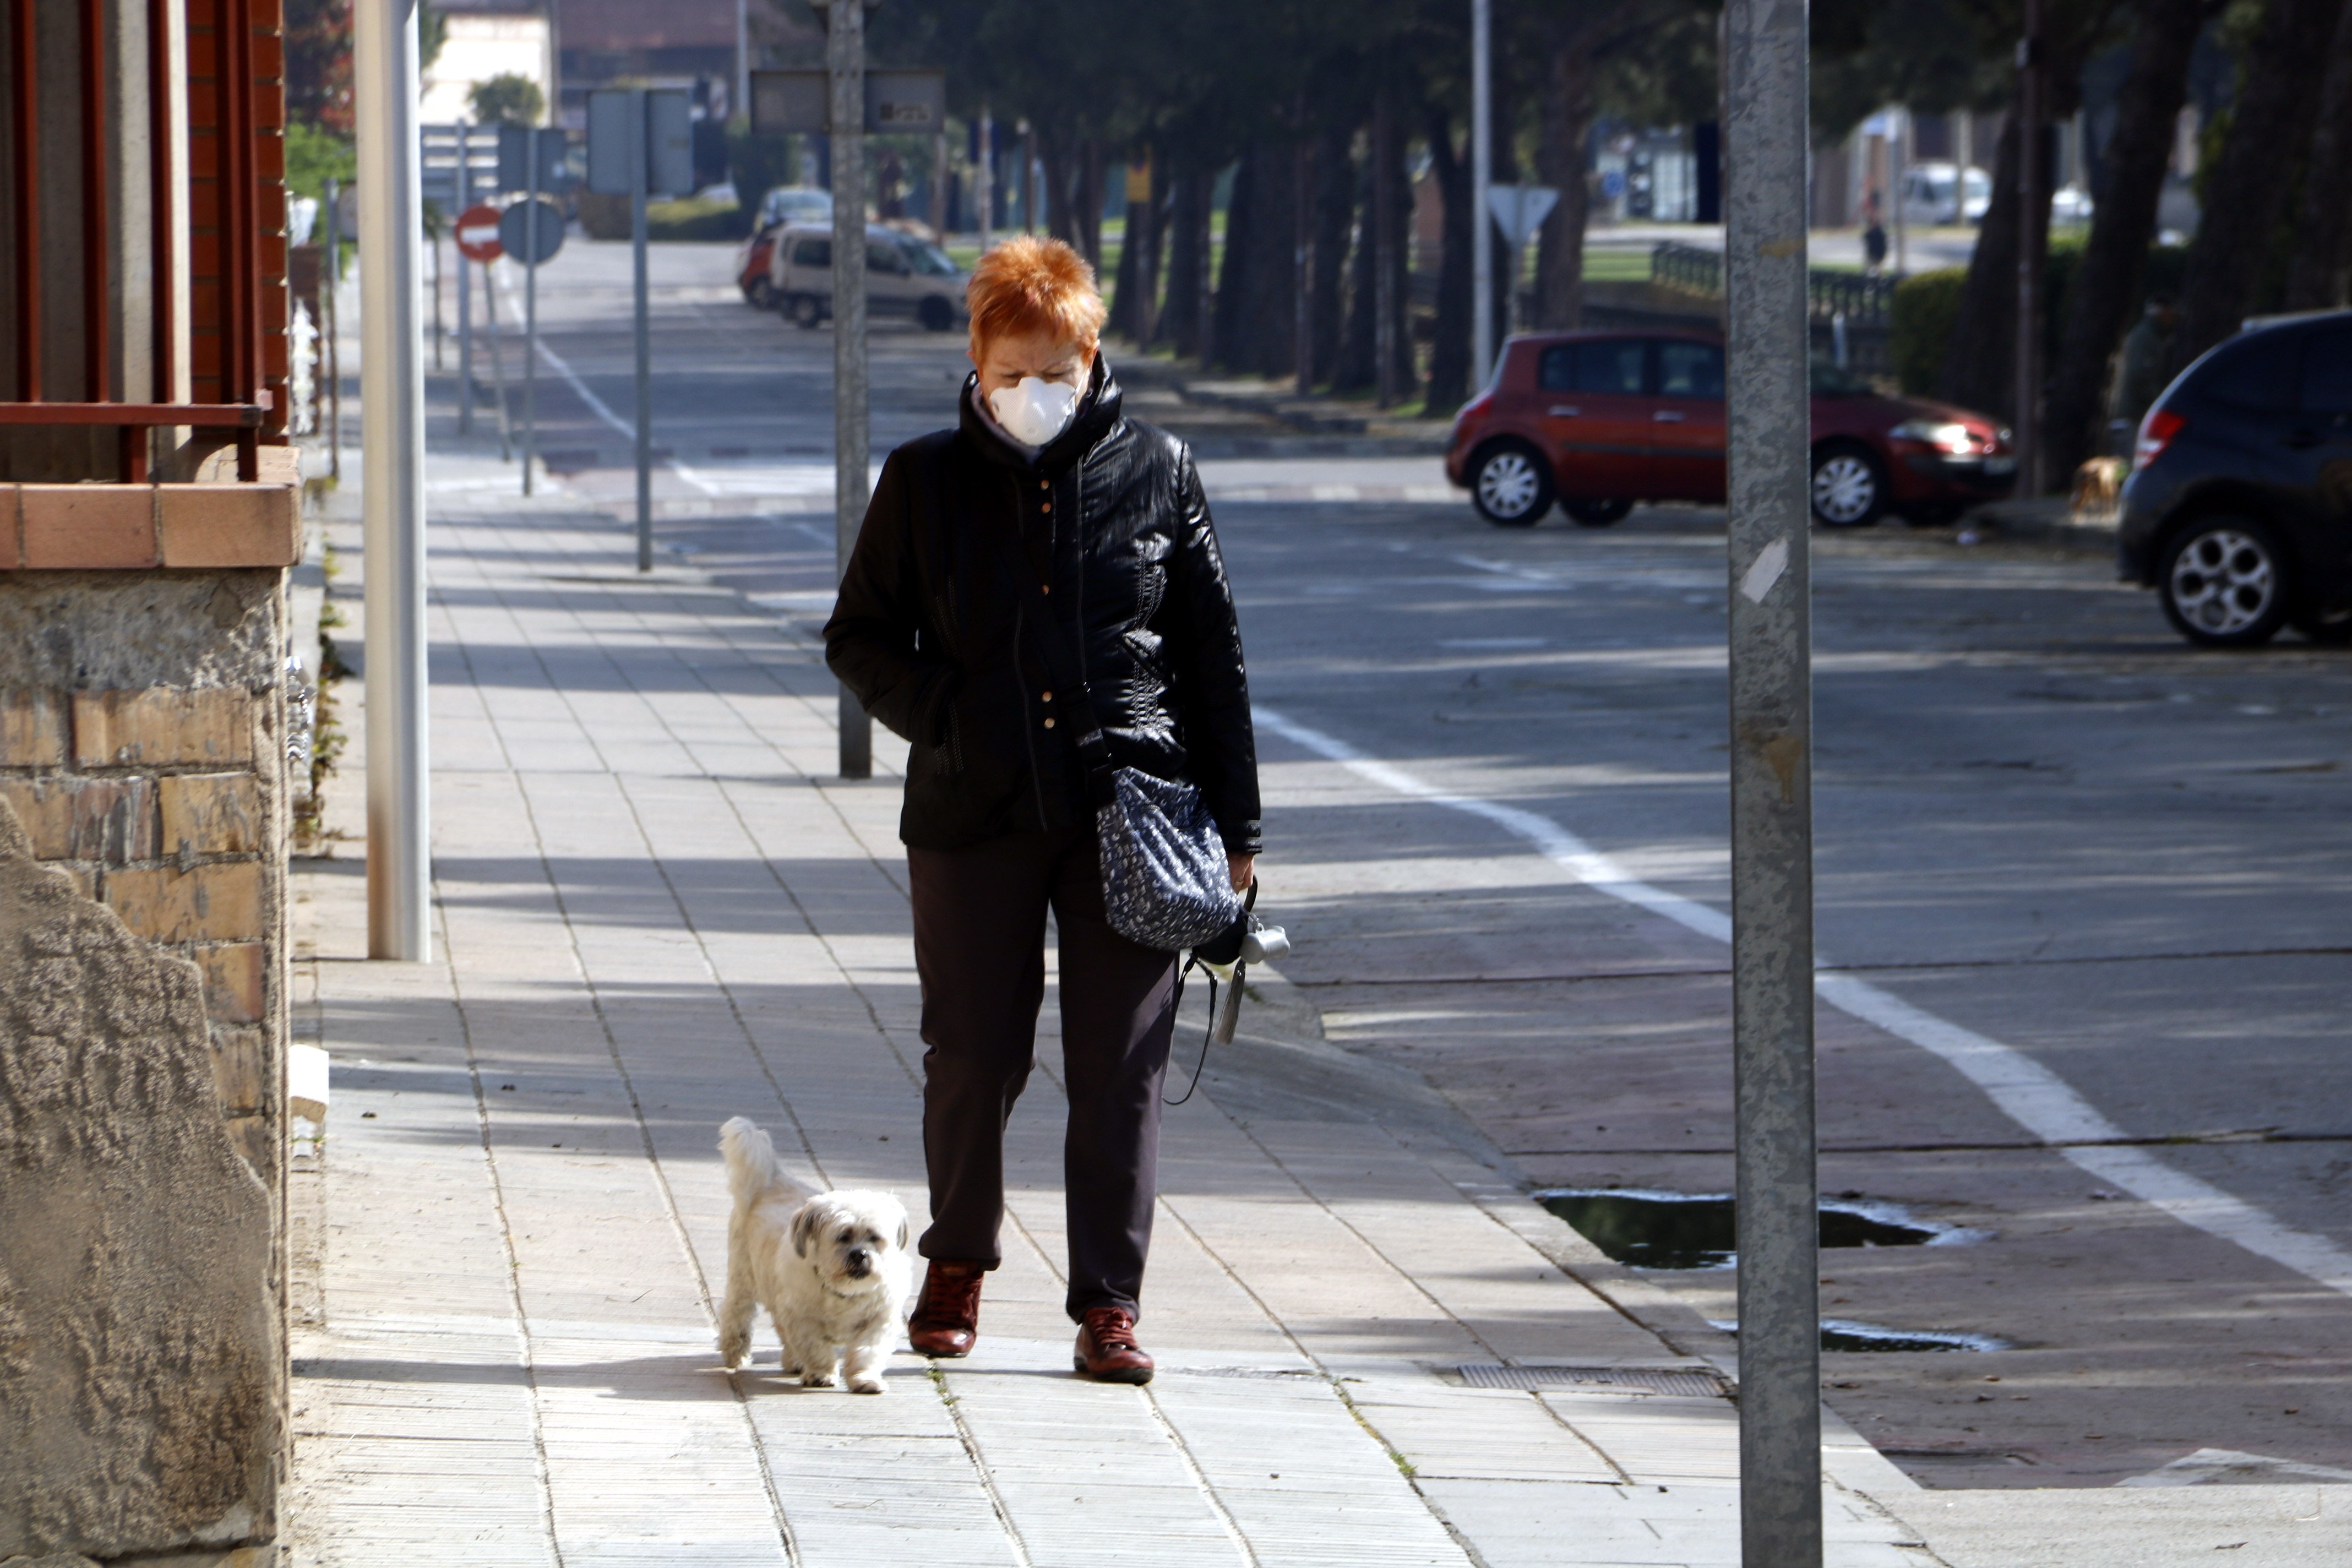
(1943, 436)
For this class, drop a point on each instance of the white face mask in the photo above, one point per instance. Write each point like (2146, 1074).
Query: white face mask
(1037, 411)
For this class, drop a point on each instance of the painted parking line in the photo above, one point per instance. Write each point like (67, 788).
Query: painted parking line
(2030, 1094)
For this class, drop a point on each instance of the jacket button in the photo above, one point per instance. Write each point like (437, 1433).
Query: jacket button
(1044, 587)
(1049, 697)
(1044, 484)
(1049, 723)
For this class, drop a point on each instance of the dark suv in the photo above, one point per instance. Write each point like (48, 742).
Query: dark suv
(2239, 508)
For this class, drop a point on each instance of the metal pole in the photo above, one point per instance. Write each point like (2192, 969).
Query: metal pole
(498, 359)
(844, 60)
(530, 309)
(1302, 262)
(465, 293)
(983, 176)
(739, 106)
(1482, 173)
(334, 259)
(1771, 788)
(1383, 248)
(642, 117)
(1901, 150)
(2027, 438)
(385, 84)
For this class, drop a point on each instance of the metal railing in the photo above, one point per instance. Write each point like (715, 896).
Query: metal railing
(231, 305)
(1859, 297)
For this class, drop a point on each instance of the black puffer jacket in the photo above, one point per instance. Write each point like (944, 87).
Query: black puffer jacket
(930, 630)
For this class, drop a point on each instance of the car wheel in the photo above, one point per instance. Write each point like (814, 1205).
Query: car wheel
(2332, 627)
(935, 313)
(1588, 513)
(804, 311)
(760, 294)
(2224, 583)
(1849, 488)
(1510, 484)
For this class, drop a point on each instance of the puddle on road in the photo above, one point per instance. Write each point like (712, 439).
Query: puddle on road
(1699, 1230)
(1845, 1334)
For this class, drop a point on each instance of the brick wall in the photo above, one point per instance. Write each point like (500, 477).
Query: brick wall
(166, 801)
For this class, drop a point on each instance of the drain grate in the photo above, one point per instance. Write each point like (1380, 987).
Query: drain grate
(1689, 1385)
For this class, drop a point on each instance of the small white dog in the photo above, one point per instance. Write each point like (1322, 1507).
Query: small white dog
(831, 1268)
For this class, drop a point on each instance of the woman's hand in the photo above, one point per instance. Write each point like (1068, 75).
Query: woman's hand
(1243, 867)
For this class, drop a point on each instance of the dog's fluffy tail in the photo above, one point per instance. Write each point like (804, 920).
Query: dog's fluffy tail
(752, 1171)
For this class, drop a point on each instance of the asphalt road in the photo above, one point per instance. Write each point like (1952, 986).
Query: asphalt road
(2043, 824)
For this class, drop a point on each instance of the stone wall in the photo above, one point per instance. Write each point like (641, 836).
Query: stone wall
(143, 1050)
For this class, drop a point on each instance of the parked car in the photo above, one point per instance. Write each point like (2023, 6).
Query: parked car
(793, 204)
(2237, 510)
(1599, 420)
(1934, 192)
(752, 267)
(904, 276)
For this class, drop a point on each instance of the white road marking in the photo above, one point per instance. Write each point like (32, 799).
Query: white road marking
(2024, 1090)
(602, 410)
(2228, 1465)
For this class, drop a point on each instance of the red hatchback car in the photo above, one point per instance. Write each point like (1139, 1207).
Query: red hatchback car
(1599, 420)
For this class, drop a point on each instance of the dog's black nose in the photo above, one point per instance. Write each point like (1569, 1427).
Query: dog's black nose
(858, 1260)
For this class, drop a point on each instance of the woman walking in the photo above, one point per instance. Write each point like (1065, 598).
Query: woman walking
(1045, 532)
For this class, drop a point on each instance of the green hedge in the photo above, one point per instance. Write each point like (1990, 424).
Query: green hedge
(607, 217)
(1927, 305)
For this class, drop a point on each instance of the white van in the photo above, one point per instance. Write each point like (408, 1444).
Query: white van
(904, 276)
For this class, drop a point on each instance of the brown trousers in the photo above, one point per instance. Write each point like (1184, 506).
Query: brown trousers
(980, 949)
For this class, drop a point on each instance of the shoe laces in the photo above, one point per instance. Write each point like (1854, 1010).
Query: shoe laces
(947, 1294)
(1112, 1328)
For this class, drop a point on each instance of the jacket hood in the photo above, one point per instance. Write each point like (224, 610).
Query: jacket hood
(1098, 413)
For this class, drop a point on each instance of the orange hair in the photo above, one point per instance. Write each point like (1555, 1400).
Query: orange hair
(1033, 284)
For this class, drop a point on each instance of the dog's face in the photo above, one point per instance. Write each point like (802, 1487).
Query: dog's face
(847, 1236)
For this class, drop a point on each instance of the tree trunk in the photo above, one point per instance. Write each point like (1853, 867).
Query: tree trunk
(2107, 281)
(1979, 369)
(1180, 319)
(1360, 360)
(1449, 360)
(1088, 202)
(1055, 154)
(1124, 291)
(2271, 125)
(2323, 231)
(1146, 321)
(1560, 159)
(1256, 290)
(1334, 209)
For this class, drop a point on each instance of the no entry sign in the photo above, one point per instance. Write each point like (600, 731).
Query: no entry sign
(477, 233)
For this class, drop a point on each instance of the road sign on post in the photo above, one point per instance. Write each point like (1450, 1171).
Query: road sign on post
(479, 233)
(1518, 211)
(800, 102)
(640, 142)
(516, 172)
(1768, 409)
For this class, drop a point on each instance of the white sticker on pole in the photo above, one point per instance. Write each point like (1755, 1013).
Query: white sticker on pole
(1764, 571)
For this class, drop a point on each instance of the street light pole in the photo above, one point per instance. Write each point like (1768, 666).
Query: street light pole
(1482, 173)
(2031, 200)
(640, 135)
(983, 176)
(1768, 412)
(384, 86)
(465, 292)
(844, 62)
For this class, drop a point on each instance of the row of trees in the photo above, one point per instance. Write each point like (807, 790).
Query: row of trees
(1318, 110)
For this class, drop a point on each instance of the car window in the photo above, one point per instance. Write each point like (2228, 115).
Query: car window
(2256, 372)
(812, 253)
(2327, 372)
(1608, 364)
(929, 259)
(884, 255)
(1690, 370)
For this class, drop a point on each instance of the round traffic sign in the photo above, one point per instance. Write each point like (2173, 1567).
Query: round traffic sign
(477, 233)
(514, 231)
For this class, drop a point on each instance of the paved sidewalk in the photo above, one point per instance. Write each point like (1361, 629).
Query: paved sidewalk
(654, 911)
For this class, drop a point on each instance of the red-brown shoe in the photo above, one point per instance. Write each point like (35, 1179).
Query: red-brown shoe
(947, 1316)
(1107, 1351)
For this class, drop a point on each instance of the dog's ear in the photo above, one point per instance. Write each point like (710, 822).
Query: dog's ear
(804, 1224)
